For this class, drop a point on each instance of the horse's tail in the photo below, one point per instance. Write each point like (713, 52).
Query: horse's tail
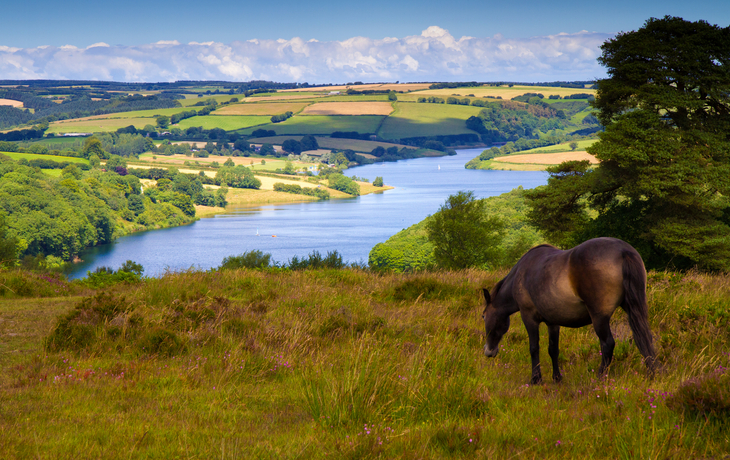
(636, 307)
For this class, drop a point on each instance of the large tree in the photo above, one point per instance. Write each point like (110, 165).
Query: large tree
(663, 183)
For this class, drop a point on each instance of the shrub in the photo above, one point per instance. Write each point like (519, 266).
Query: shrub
(249, 259)
(163, 342)
(333, 259)
(707, 395)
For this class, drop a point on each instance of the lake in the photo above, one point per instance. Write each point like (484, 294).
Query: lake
(350, 226)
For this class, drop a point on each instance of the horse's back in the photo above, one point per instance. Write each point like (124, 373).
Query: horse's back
(569, 287)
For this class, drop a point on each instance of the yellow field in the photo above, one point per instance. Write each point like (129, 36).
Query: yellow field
(179, 160)
(283, 97)
(11, 102)
(270, 108)
(349, 108)
(375, 86)
(504, 91)
(548, 158)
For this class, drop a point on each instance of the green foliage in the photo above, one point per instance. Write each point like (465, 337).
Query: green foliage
(320, 193)
(238, 177)
(129, 272)
(378, 182)
(309, 142)
(249, 259)
(92, 146)
(462, 234)
(343, 184)
(407, 251)
(410, 250)
(315, 260)
(665, 155)
(392, 96)
(292, 146)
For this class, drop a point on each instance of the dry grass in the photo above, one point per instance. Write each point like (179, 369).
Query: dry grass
(272, 108)
(349, 364)
(548, 158)
(250, 197)
(11, 103)
(349, 108)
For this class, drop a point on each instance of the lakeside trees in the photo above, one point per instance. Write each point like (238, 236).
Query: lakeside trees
(663, 183)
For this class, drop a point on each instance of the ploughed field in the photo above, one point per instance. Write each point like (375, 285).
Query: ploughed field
(346, 364)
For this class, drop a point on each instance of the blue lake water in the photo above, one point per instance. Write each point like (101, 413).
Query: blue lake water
(350, 226)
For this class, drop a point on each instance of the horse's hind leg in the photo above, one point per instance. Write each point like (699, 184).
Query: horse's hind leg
(603, 331)
(554, 350)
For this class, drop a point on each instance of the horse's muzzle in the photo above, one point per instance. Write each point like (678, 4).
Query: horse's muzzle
(490, 353)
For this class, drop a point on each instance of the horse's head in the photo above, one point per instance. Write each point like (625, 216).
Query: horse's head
(496, 324)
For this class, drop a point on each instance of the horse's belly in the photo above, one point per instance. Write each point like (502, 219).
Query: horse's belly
(571, 312)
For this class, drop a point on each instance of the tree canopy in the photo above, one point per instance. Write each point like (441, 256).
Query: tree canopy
(462, 234)
(663, 182)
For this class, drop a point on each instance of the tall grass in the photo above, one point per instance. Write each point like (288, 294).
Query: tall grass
(346, 363)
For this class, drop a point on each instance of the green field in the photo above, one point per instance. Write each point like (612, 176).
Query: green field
(355, 145)
(412, 120)
(33, 156)
(323, 124)
(147, 113)
(219, 98)
(99, 125)
(227, 122)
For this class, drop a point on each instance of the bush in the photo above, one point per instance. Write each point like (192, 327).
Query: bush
(707, 395)
(162, 342)
(249, 259)
(333, 259)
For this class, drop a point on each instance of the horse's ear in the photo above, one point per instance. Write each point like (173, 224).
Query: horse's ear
(487, 297)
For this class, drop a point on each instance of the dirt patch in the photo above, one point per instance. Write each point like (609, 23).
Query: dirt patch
(349, 108)
(548, 158)
(11, 103)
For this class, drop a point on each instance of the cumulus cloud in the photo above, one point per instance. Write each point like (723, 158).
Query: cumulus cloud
(434, 55)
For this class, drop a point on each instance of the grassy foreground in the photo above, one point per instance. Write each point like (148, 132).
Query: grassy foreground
(344, 364)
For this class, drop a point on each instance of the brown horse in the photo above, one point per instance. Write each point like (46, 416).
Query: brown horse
(572, 288)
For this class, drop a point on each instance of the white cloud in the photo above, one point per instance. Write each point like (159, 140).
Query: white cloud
(434, 55)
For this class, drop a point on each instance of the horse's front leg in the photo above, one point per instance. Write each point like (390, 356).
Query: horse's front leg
(605, 338)
(554, 350)
(533, 332)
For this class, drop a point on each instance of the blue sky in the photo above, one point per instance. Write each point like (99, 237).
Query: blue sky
(165, 41)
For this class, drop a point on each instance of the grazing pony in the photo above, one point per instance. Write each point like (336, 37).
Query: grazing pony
(572, 288)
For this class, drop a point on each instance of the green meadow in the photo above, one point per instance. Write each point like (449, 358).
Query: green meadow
(97, 125)
(323, 124)
(413, 120)
(345, 363)
(33, 156)
(226, 122)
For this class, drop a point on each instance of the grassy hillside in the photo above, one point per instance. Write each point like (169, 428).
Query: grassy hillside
(413, 120)
(344, 364)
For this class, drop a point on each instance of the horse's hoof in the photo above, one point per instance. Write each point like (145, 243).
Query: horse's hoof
(557, 378)
(536, 380)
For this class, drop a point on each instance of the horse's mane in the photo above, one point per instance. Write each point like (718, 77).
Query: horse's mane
(497, 286)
